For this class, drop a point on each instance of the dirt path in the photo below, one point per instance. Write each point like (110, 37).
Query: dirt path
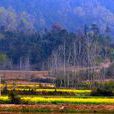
(57, 108)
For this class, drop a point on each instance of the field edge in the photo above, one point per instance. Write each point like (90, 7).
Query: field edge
(57, 108)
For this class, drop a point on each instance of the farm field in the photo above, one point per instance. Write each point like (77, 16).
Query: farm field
(36, 97)
(62, 100)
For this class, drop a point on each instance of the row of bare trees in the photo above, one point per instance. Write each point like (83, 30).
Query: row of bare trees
(79, 59)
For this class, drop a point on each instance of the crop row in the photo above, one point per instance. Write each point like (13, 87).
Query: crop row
(37, 99)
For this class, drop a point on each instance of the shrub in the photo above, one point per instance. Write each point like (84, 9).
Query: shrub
(103, 91)
(5, 89)
(14, 98)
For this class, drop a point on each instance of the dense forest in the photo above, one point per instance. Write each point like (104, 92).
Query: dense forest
(23, 46)
(21, 50)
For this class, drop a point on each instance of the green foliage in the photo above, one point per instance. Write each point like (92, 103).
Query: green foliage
(110, 71)
(112, 54)
(104, 90)
(3, 57)
(38, 47)
(14, 98)
(5, 89)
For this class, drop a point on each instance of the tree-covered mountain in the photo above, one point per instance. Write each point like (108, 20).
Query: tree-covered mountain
(43, 34)
(50, 48)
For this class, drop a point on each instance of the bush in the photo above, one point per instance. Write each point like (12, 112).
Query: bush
(5, 89)
(103, 91)
(14, 98)
(110, 72)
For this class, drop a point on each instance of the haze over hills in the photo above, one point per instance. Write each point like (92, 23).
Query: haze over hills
(71, 14)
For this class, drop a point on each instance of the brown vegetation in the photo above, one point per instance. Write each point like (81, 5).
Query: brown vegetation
(58, 108)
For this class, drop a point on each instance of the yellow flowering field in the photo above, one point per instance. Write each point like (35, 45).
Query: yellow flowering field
(72, 100)
(66, 90)
(69, 100)
(3, 98)
(27, 85)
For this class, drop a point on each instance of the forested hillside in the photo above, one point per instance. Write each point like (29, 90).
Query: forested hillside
(81, 39)
(41, 50)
